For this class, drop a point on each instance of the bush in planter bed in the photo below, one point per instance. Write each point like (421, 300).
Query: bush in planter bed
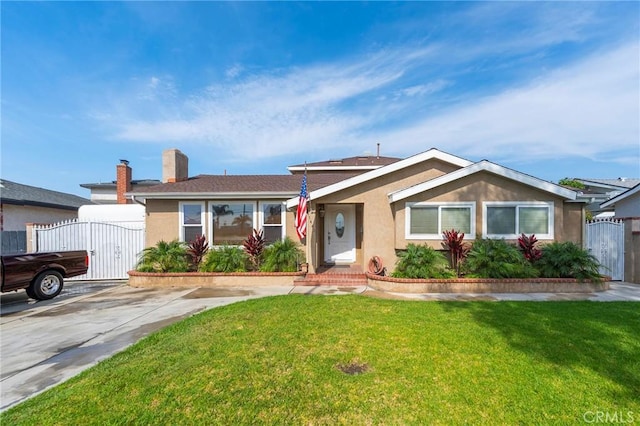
(421, 261)
(497, 259)
(225, 259)
(282, 256)
(567, 260)
(164, 257)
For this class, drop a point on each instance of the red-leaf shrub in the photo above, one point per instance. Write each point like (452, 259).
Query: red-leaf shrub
(528, 248)
(457, 248)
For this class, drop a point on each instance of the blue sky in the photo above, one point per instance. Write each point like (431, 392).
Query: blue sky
(549, 89)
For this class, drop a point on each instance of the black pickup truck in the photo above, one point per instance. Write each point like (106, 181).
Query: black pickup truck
(41, 274)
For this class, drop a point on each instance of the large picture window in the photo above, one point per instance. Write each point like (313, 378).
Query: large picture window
(191, 221)
(429, 220)
(233, 221)
(510, 219)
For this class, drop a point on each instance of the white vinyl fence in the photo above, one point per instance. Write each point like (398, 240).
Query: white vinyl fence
(605, 241)
(113, 246)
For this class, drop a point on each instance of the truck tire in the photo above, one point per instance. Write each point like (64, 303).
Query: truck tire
(47, 285)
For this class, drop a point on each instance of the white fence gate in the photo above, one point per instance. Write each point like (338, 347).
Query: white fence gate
(605, 241)
(113, 246)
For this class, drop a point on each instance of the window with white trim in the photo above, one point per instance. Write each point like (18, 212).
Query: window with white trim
(272, 220)
(428, 220)
(192, 218)
(232, 221)
(510, 219)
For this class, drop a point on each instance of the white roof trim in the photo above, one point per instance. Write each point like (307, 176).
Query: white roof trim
(382, 171)
(487, 166)
(212, 195)
(612, 202)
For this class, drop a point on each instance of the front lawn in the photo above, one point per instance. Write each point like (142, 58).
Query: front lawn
(292, 359)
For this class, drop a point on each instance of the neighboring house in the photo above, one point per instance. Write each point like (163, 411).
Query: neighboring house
(113, 192)
(357, 214)
(597, 191)
(22, 204)
(625, 205)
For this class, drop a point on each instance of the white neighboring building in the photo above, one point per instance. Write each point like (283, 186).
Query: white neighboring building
(112, 213)
(625, 205)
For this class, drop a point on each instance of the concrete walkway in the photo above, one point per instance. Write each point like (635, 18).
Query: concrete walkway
(618, 292)
(45, 343)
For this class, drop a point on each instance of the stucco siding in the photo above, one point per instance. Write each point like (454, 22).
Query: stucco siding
(161, 221)
(376, 233)
(629, 207)
(486, 187)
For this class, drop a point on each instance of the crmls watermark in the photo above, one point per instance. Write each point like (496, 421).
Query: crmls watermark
(611, 417)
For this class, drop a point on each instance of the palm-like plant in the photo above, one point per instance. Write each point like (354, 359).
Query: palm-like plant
(498, 259)
(421, 261)
(282, 256)
(225, 259)
(164, 257)
(568, 260)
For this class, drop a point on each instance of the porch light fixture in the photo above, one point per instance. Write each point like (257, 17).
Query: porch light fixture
(321, 210)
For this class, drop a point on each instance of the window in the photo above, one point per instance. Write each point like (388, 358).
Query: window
(272, 220)
(510, 219)
(233, 221)
(191, 221)
(429, 220)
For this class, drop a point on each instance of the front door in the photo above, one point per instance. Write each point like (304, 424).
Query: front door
(340, 233)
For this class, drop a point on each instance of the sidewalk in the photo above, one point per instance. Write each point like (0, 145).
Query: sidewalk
(618, 292)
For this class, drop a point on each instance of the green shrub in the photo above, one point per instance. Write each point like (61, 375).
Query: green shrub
(282, 256)
(567, 260)
(421, 261)
(164, 257)
(497, 259)
(225, 259)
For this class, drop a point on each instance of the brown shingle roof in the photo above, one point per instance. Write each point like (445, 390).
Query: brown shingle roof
(360, 161)
(213, 184)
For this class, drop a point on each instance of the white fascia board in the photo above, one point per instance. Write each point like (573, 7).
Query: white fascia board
(212, 195)
(382, 171)
(612, 202)
(487, 166)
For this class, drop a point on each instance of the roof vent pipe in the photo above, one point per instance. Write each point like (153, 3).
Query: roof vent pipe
(378, 156)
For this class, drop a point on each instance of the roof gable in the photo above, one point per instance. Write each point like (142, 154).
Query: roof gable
(432, 153)
(612, 202)
(19, 194)
(486, 166)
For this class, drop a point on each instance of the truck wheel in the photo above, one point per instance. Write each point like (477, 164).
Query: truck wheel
(29, 291)
(47, 285)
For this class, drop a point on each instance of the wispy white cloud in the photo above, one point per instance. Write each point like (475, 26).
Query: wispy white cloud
(585, 109)
(409, 99)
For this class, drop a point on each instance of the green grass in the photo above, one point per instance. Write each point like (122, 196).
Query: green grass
(274, 361)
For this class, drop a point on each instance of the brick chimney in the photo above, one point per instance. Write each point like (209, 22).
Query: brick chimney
(175, 166)
(123, 181)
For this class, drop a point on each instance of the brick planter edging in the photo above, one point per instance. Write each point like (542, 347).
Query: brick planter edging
(212, 279)
(484, 285)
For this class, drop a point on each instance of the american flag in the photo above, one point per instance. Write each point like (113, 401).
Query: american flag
(301, 214)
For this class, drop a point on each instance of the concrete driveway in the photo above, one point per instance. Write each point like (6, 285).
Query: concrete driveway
(45, 343)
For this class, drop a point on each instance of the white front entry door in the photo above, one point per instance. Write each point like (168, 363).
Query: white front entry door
(340, 233)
